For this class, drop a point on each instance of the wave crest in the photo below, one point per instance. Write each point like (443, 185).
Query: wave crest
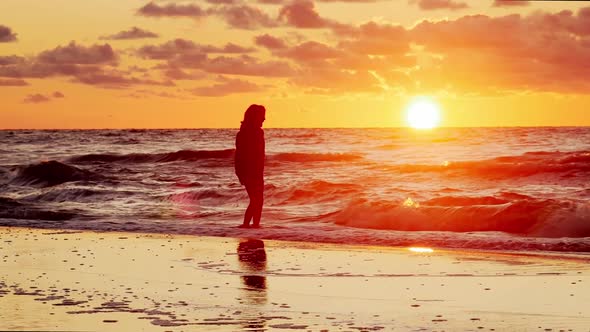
(51, 173)
(529, 217)
(314, 157)
(182, 155)
(531, 163)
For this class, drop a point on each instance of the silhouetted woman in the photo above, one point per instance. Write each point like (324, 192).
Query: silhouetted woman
(249, 161)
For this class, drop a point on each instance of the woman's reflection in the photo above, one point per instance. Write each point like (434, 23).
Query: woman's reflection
(252, 257)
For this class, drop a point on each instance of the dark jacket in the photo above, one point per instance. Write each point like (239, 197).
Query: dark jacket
(249, 160)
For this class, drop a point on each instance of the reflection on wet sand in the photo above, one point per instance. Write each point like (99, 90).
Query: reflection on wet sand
(252, 257)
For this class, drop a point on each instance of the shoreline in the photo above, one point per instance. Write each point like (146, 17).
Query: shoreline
(88, 280)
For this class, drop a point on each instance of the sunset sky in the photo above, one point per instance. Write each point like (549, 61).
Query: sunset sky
(320, 63)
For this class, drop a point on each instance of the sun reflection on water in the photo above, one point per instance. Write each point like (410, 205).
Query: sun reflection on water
(409, 202)
(421, 249)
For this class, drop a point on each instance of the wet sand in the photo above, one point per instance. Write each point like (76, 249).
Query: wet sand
(88, 281)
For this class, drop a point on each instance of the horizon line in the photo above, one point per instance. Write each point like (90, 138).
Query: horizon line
(237, 127)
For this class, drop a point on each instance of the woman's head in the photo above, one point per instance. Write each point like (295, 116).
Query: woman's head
(254, 116)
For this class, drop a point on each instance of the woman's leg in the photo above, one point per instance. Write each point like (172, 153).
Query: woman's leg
(256, 201)
(247, 215)
(249, 211)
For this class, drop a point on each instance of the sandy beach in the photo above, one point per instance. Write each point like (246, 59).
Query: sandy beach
(91, 281)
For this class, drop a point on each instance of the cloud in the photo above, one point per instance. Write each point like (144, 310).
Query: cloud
(240, 15)
(11, 60)
(6, 34)
(439, 4)
(113, 79)
(132, 33)
(333, 80)
(270, 42)
(31, 68)
(183, 47)
(503, 3)
(184, 54)
(473, 54)
(175, 73)
(302, 14)
(245, 17)
(92, 65)
(538, 52)
(36, 99)
(310, 51)
(226, 87)
(246, 65)
(281, 2)
(78, 54)
(375, 39)
(144, 93)
(172, 10)
(13, 82)
(223, 2)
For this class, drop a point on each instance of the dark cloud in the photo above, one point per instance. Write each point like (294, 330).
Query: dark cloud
(225, 87)
(302, 14)
(246, 65)
(245, 17)
(241, 15)
(34, 69)
(439, 4)
(270, 42)
(184, 47)
(132, 33)
(172, 10)
(113, 79)
(13, 82)
(578, 24)
(182, 54)
(282, 2)
(36, 99)
(11, 60)
(92, 65)
(78, 54)
(6, 34)
(223, 2)
(504, 3)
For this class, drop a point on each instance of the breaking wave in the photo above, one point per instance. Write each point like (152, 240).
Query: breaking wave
(195, 155)
(528, 164)
(51, 173)
(527, 217)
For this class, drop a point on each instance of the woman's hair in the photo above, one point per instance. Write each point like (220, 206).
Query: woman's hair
(253, 115)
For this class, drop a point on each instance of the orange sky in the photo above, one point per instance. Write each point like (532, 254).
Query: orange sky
(322, 63)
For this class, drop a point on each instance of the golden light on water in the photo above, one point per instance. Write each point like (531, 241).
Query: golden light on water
(423, 113)
(409, 202)
(421, 249)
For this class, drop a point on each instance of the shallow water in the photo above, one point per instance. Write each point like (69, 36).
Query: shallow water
(517, 189)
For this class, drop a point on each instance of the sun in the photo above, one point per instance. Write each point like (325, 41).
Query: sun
(423, 113)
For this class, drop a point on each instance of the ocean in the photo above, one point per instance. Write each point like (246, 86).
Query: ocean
(510, 189)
